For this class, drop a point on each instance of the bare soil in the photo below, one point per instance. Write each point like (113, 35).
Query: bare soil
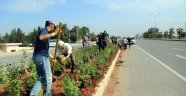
(57, 88)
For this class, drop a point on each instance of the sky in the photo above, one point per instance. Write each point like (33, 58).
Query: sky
(117, 17)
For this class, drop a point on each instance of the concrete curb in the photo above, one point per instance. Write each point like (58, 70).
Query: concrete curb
(103, 83)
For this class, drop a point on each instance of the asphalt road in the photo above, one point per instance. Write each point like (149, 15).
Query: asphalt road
(154, 68)
(171, 53)
(16, 58)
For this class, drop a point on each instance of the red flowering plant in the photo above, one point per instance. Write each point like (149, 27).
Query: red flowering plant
(99, 67)
(85, 92)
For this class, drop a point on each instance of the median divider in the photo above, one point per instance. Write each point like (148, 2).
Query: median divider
(103, 83)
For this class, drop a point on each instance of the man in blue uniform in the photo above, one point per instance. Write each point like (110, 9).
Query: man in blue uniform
(41, 59)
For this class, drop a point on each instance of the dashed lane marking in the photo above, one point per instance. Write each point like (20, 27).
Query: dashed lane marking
(164, 65)
(179, 49)
(181, 56)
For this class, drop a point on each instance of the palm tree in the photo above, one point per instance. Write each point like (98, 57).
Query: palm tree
(166, 34)
(179, 31)
(171, 31)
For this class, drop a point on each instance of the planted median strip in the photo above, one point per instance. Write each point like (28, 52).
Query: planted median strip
(92, 65)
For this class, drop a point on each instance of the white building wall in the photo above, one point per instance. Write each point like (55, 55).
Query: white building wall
(13, 47)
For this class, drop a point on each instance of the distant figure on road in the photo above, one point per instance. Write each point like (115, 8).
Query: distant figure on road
(86, 40)
(114, 40)
(97, 41)
(100, 42)
(125, 43)
(104, 40)
(129, 41)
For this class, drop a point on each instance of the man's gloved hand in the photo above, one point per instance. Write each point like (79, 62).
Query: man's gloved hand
(62, 60)
(54, 60)
(57, 30)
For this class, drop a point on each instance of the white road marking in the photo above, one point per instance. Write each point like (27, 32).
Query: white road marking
(179, 49)
(164, 65)
(181, 56)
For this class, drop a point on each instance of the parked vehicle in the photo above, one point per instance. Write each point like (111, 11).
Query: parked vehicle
(132, 38)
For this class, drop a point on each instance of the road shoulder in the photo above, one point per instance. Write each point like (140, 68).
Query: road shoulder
(144, 76)
(115, 76)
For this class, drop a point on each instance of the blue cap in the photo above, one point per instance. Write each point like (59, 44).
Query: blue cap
(50, 22)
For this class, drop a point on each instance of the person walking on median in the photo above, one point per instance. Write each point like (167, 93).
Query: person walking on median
(86, 40)
(129, 41)
(41, 59)
(125, 43)
(100, 42)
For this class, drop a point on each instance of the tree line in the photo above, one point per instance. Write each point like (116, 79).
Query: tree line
(154, 33)
(68, 35)
(18, 36)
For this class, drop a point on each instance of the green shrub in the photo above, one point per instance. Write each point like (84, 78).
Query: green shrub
(2, 74)
(70, 88)
(28, 82)
(12, 83)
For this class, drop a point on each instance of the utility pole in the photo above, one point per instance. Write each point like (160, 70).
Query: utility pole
(68, 36)
(185, 26)
(0, 39)
(77, 33)
(155, 16)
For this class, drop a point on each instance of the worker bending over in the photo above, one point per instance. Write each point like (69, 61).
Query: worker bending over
(65, 50)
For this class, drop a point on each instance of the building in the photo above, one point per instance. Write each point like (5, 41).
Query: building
(13, 47)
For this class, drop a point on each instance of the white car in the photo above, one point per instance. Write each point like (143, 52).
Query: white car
(133, 41)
